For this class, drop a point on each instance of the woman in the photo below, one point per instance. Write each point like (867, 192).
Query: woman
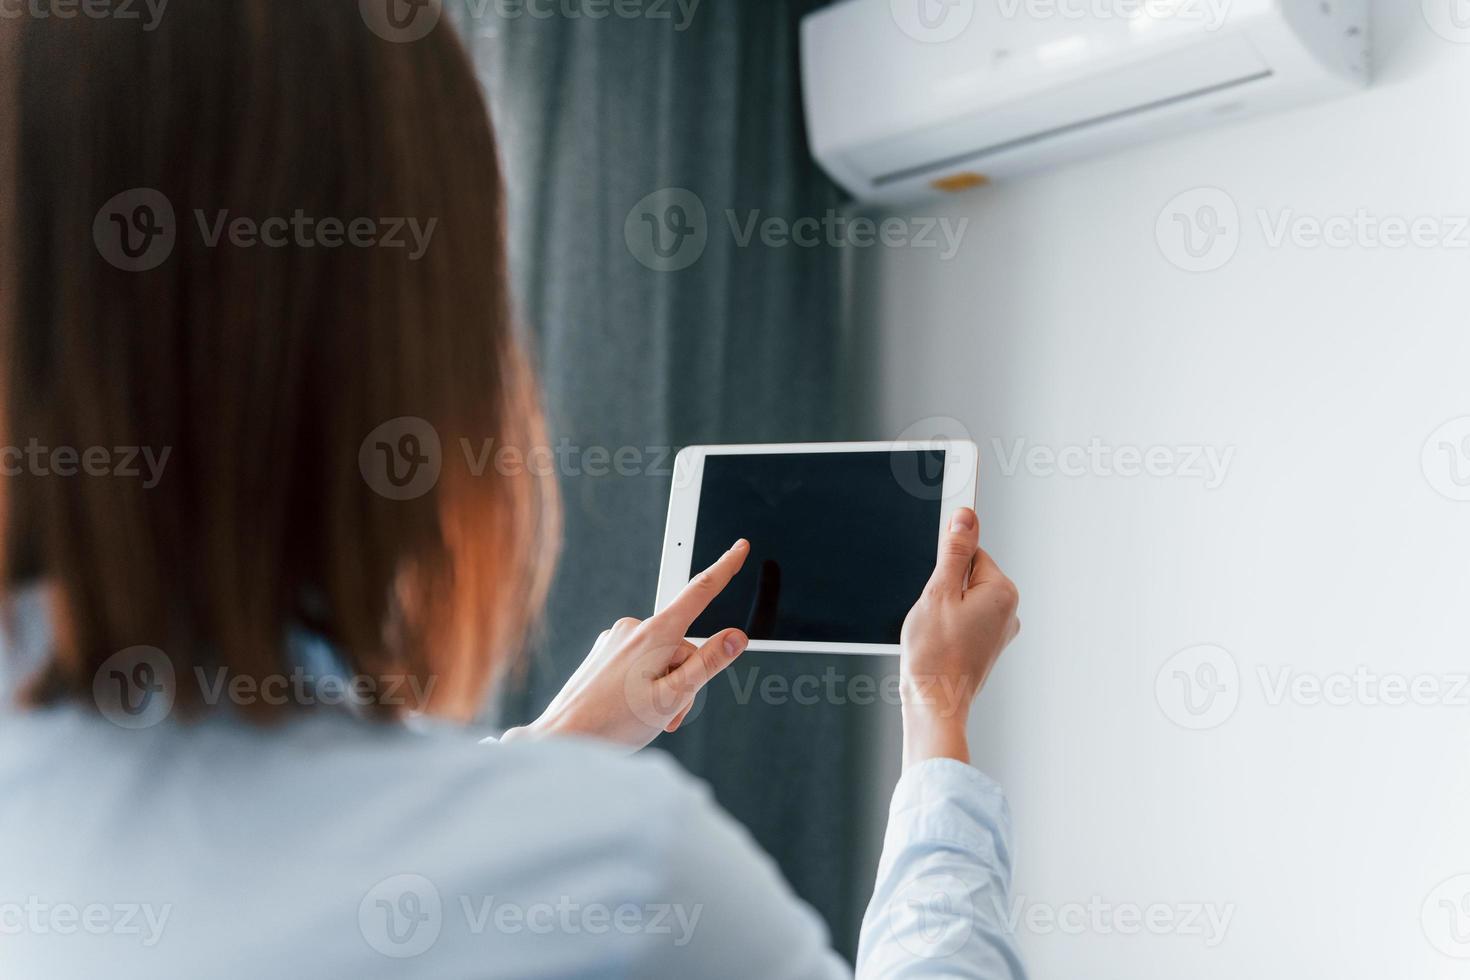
(216, 758)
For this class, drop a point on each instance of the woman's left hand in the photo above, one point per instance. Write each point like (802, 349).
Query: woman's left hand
(641, 677)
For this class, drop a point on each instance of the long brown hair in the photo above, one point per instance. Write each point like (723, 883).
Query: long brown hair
(261, 358)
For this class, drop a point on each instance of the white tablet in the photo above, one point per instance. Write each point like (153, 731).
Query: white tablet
(842, 536)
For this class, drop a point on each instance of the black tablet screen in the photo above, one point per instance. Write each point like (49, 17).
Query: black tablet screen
(841, 544)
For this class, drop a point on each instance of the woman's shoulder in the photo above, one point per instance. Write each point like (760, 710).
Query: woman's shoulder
(570, 817)
(564, 771)
(396, 780)
(580, 788)
(439, 800)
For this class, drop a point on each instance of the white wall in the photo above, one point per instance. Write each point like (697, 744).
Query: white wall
(1324, 828)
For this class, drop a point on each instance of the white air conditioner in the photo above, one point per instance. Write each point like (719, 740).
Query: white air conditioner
(906, 97)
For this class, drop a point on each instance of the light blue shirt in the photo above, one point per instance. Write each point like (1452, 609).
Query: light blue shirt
(332, 847)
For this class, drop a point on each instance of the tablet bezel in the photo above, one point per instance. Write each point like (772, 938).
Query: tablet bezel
(958, 490)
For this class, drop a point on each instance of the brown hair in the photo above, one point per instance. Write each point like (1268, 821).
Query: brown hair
(261, 369)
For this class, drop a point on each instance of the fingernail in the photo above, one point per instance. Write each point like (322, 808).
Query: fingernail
(734, 643)
(739, 544)
(961, 521)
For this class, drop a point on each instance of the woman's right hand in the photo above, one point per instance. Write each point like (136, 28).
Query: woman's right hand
(951, 638)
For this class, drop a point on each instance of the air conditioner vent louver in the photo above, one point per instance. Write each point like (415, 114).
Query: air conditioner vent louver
(976, 158)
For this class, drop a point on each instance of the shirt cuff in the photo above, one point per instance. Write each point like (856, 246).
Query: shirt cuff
(945, 801)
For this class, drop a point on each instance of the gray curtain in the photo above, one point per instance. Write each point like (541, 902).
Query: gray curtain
(647, 345)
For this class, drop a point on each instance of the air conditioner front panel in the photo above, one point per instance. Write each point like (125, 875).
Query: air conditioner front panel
(871, 80)
(891, 118)
(1100, 99)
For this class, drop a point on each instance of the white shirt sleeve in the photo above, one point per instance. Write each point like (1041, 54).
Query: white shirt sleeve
(938, 909)
(941, 904)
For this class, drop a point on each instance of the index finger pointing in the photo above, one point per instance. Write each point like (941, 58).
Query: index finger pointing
(702, 588)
